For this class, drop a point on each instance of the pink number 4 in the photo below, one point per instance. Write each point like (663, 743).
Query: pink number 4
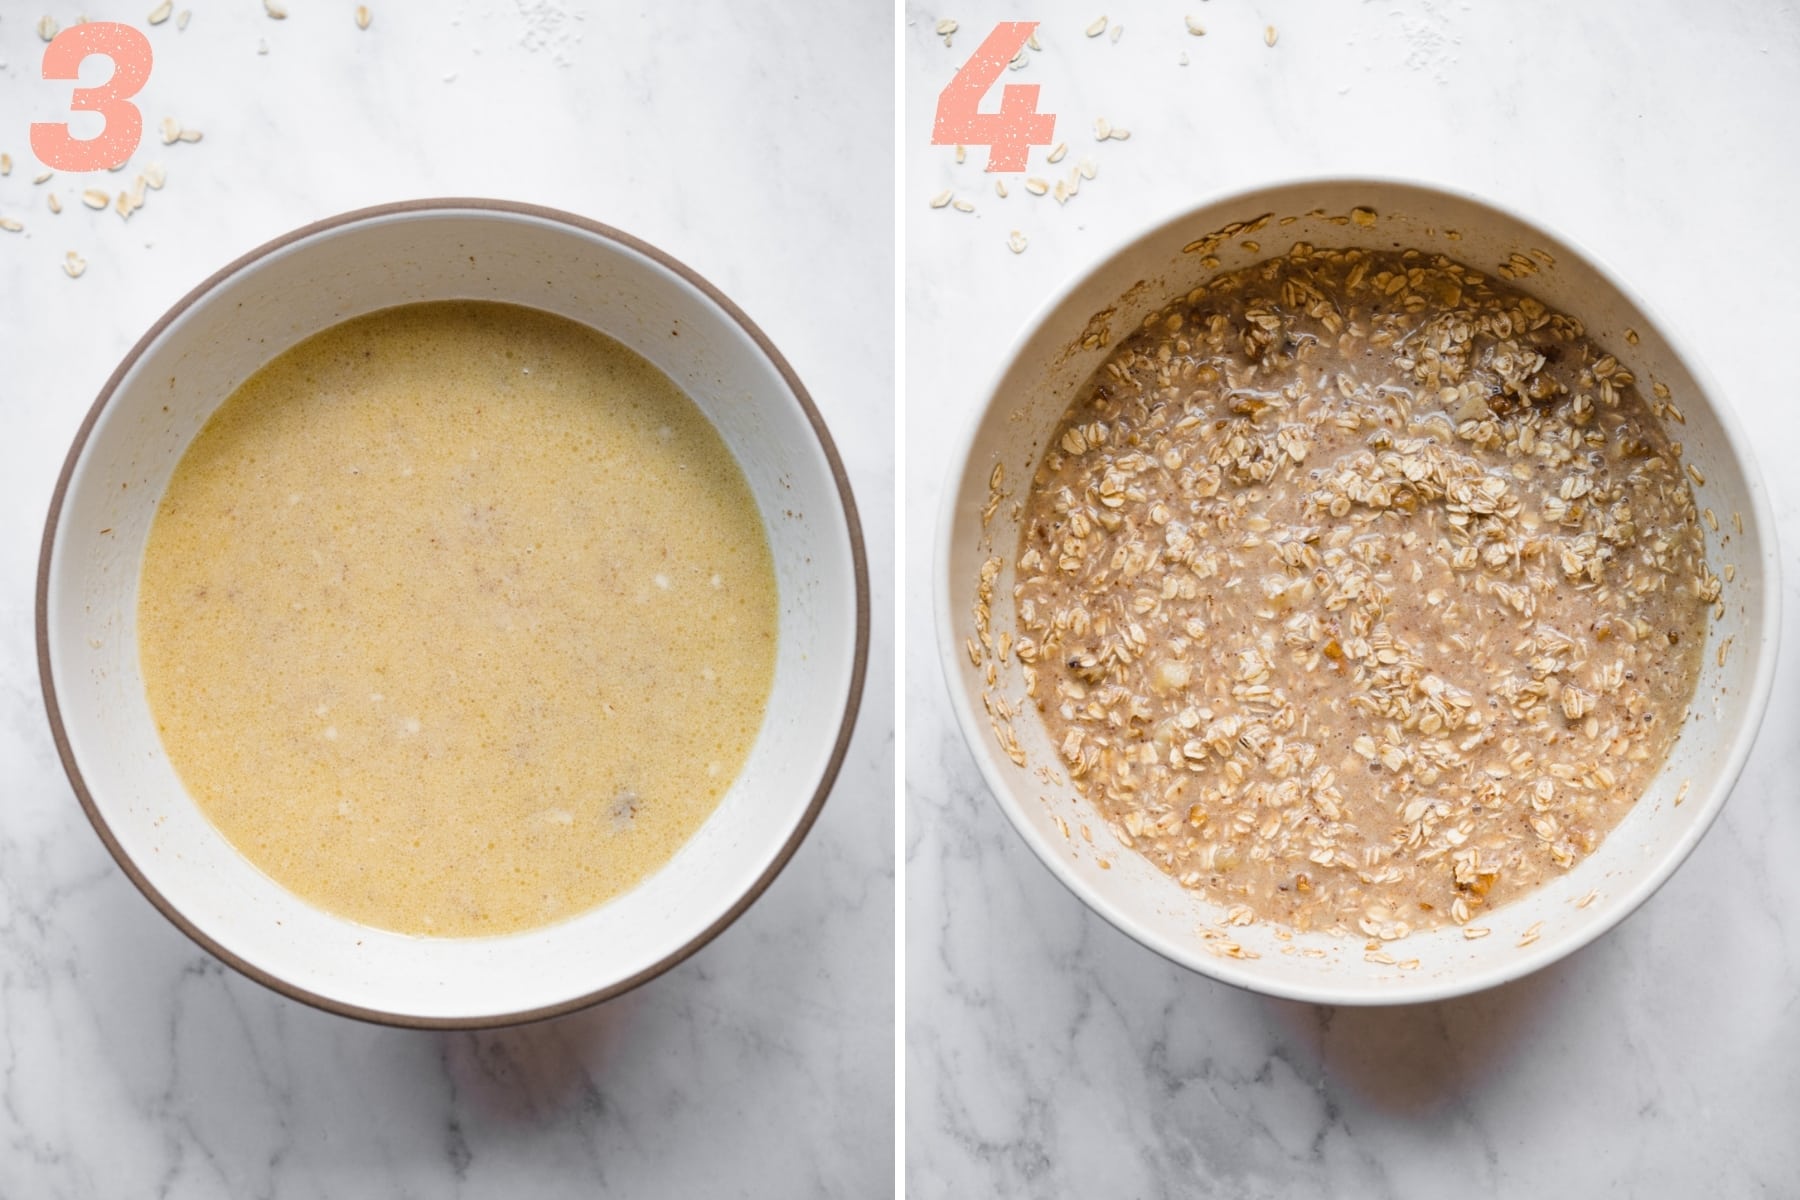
(1008, 134)
(118, 139)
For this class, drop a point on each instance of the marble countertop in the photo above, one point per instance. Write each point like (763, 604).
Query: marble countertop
(1049, 1055)
(131, 1063)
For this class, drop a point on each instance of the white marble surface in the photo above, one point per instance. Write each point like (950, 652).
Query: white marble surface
(1048, 1055)
(133, 1064)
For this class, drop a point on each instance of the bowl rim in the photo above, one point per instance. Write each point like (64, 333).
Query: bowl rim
(853, 527)
(1706, 807)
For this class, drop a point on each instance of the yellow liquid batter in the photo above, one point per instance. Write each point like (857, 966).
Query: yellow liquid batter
(457, 619)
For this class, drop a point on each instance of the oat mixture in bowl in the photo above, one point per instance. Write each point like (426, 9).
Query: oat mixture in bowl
(1350, 592)
(1361, 590)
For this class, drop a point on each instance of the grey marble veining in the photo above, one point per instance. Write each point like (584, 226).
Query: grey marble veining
(1047, 1054)
(132, 1064)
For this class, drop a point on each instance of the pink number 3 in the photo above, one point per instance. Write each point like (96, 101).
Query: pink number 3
(118, 140)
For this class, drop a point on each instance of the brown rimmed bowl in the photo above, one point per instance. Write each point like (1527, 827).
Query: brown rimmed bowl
(262, 304)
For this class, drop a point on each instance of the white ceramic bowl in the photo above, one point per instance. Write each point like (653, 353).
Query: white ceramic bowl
(264, 303)
(1041, 376)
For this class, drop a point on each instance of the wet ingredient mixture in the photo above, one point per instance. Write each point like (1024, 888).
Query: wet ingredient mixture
(457, 619)
(1361, 591)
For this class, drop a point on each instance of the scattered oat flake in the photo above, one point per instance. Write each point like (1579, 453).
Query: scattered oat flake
(95, 198)
(1119, 135)
(1061, 192)
(11, 224)
(171, 131)
(182, 20)
(1473, 932)
(1225, 948)
(1118, 31)
(55, 202)
(1531, 935)
(189, 135)
(1032, 41)
(941, 199)
(961, 154)
(1588, 899)
(1183, 59)
(1194, 27)
(1102, 129)
(363, 16)
(47, 27)
(161, 12)
(1699, 479)
(1087, 169)
(1631, 337)
(43, 177)
(276, 10)
(1036, 186)
(1269, 35)
(963, 206)
(1377, 956)
(154, 176)
(1097, 28)
(122, 204)
(74, 265)
(946, 27)
(1056, 155)
(1409, 964)
(5, 164)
